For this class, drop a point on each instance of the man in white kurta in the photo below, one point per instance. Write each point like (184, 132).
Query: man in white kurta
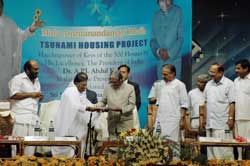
(11, 39)
(242, 105)
(25, 94)
(196, 99)
(173, 101)
(220, 98)
(72, 118)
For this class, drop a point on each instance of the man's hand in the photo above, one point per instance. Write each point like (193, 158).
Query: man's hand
(91, 109)
(230, 123)
(35, 25)
(182, 124)
(41, 97)
(164, 54)
(152, 100)
(36, 95)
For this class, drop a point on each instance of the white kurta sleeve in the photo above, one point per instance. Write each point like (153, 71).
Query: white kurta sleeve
(14, 86)
(183, 96)
(231, 93)
(23, 34)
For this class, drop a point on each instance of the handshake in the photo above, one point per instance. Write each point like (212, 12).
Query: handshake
(102, 109)
(97, 109)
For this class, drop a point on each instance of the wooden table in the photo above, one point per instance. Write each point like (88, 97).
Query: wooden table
(196, 145)
(16, 142)
(76, 143)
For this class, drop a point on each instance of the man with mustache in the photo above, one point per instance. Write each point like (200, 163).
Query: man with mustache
(242, 106)
(219, 98)
(25, 94)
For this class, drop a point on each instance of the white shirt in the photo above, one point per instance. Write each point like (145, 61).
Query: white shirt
(11, 38)
(155, 91)
(242, 100)
(195, 99)
(218, 97)
(21, 83)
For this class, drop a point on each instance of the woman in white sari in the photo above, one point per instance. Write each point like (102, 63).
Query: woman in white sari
(72, 118)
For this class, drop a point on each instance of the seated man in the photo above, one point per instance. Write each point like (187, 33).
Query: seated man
(72, 118)
(120, 99)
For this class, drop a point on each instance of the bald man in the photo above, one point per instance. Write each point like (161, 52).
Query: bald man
(25, 93)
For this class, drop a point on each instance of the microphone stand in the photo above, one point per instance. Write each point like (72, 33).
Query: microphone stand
(89, 138)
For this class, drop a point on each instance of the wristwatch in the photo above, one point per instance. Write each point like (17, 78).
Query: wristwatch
(230, 118)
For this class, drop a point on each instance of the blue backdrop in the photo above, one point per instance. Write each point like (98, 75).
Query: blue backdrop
(94, 13)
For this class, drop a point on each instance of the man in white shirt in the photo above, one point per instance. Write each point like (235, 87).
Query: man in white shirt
(242, 99)
(220, 98)
(171, 95)
(196, 99)
(25, 94)
(11, 39)
(72, 118)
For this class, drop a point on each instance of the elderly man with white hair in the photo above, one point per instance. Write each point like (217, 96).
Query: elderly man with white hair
(196, 99)
(119, 97)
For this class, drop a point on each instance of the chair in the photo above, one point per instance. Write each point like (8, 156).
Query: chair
(152, 112)
(202, 120)
(47, 113)
(6, 126)
(189, 132)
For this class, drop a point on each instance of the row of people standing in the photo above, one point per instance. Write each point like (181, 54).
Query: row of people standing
(76, 102)
(226, 103)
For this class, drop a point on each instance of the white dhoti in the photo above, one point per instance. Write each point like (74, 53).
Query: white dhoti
(219, 152)
(242, 128)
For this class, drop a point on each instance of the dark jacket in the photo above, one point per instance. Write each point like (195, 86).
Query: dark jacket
(91, 96)
(137, 94)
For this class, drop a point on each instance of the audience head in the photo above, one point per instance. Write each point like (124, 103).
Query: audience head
(31, 68)
(115, 79)
(165, 4)
(80, 81)
(124, 70)
(216, 71)
(242, 67)
(202, 80)
(1, 7)
(168, 72)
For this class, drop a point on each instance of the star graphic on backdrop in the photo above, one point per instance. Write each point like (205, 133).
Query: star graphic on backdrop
(222, 16)
(96, 6)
